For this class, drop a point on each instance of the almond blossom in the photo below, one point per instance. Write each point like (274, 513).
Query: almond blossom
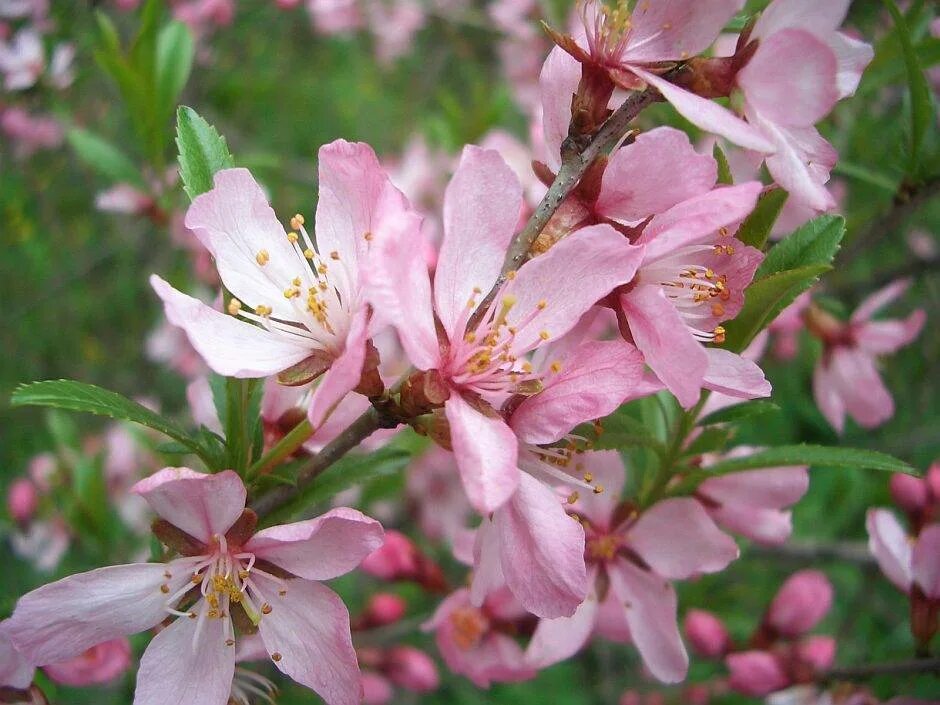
(631, 560)
(226, 580)
(909, 563)
(294, 302)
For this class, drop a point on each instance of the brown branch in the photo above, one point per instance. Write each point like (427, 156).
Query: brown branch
(852, 552)
(891, 668)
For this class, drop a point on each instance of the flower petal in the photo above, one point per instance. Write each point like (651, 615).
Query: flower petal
(827, 395)
(345, 372)
(319, 549)
(230, 347)
(541, 551)
(864, 394)
(734, 375)
(486, 451)
(558, 82)
(202, 505)
(707, 114)
(307, 635)
(765, 526)
(888, 543)
(801, 164)
(62, 619)
(657, 171)
(558, 639)
(925, 561)
(771, 488)
(873, 303)
(678, 539)
(481, 208)
(608, 471)
(667, 30)
(822, 17)
(177, 669)
(595, 379)
(15, 672)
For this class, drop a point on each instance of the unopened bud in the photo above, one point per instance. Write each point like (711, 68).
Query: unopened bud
(933, 482)
(396, 559)
(910, 493)
(817, 651)
(707, 633)
(411, 668)
(755, 673)
(376, 690)
(22, 500)
(383, 608)
(802, 601)
(99, 664)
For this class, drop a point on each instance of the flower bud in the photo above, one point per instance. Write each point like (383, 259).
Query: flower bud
(376, 690)
(396, 559)
(909, 493)
(383, 608)
(799, 605)
(696, 694)
(411, 668)
(933, 481)
(817, 651)
(706, 633)
(631, 697)
(755, 673)
(99, 664)
(22, 500)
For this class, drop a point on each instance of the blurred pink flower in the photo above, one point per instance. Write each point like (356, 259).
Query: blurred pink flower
(335, 16)
(101, 663)
(204, 517)
(800, 603)
(707, 634)
(756, 673)
(905, 561)
(30, 132)
(22, 60)
(22, 500)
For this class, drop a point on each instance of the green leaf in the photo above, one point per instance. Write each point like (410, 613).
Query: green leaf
(724, 169)
(817, 242)
(243, 409)
(105, 158)
(756, 228)
(710, 440)
(739, 412)
(922, 107)
(175, 51)
(78, 396)
(202, 151)
(796, 455)
(620, 431)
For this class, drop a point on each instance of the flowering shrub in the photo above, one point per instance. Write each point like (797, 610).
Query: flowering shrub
(508, 395)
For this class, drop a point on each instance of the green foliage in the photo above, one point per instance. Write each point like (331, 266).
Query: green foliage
(739, 412)
(105, 158)
(724, 169)
(756, 228)
(202, 151)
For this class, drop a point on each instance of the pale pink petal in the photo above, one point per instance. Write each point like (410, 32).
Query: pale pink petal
(889, 544)
(594, 260)
(541, 551)
(771, 488)
(345, 372)
(487, 567)
(62, 619)
(734, 375)
(800, 164)
(319, 549)
(481, 208)
(827, 395)
(853, 55)
(822, 17)
(707, 114)
(486, 451)
(202, 406)
(886, 337)
(668, 347)
(230, 347)
(15, 672)
(865, 396)
(657, 171)
(791, 79)
(925, 561)
(595, 379)
(201, 505)
(558, 83)
(234, 222)
(667, 30)
(397, 285)
(650, 606)
(608, 471)
(876, 301)
(677, 539)
(177, 669)
(558, 639)
(765, 526)
(611, 622)
(308, 627)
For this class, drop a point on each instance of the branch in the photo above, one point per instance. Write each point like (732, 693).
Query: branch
(852, 552)
(892, 668)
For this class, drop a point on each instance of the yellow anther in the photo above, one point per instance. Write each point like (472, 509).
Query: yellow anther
(164, 589)
(291, 292)
(262, 257)
(276, 656)
(234, 306)
(309, 254)
(544, 335)
(719, 333)
(470, 337)
(477, 290)
(723, 232)
(709, 274)
(541, 305)
(718, 309)
(292, 236)
(527, 367)
(588, 477)
(213, 614)
(197, 578)
(598, 489)
(511, 274)
(297, 222)
(230, 642)
(573, 497)
(368, 236)
(296, 281)
(243, 574)
(263, 310)
(266, 608)
(334, 255)
(321, 268)
(555, 367)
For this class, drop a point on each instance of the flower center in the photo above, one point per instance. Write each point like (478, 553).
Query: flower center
(469, 627)
(603, 548)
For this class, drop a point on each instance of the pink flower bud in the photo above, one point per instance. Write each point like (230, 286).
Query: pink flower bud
(696, 694)
(755, 673)
(706, 633)
(933, 481)
(376, 690)
(41, 470)
(22, 499)
(411, 668)
(802, 601)
(396, 559)
(99, 664)
(631, 697)
(384, 608)
(909, 493)
(818, 651)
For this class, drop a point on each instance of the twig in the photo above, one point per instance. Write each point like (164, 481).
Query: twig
(854, 552)
(891, 668)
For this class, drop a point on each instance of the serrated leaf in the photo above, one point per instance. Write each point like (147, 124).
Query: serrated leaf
(175, 51)
(816, 242)
(105, 158)
(710, 440)
(202, 151)
(922, 107)
(78, 396)
(756, 228)
(618, 432)
(724, 169)
(739, 412)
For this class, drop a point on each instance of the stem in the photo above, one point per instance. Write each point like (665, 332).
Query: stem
(295, 438)
(666, 466)
(360, 429)
(812, 552)
(892, 668)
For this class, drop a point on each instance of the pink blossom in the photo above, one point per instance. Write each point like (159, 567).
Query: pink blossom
(382, 609)
(435, 489)
(396, 559)
(42, 543)
(911, 494)
(204, 517)
(412, 669)
(376, 689)
(787, 325)
(15, 671)
(846, 379)
(756, 673)
(22, 59)
(631, 561)
(123, 198)
(905, 562)
(800, 603)
(335, 16)
(30, 132)
(707, 633)
(394, 25)
(293, 303)
(101, 663)
(42, 470)
(477, 642)
(817, 651)
(22, 500)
